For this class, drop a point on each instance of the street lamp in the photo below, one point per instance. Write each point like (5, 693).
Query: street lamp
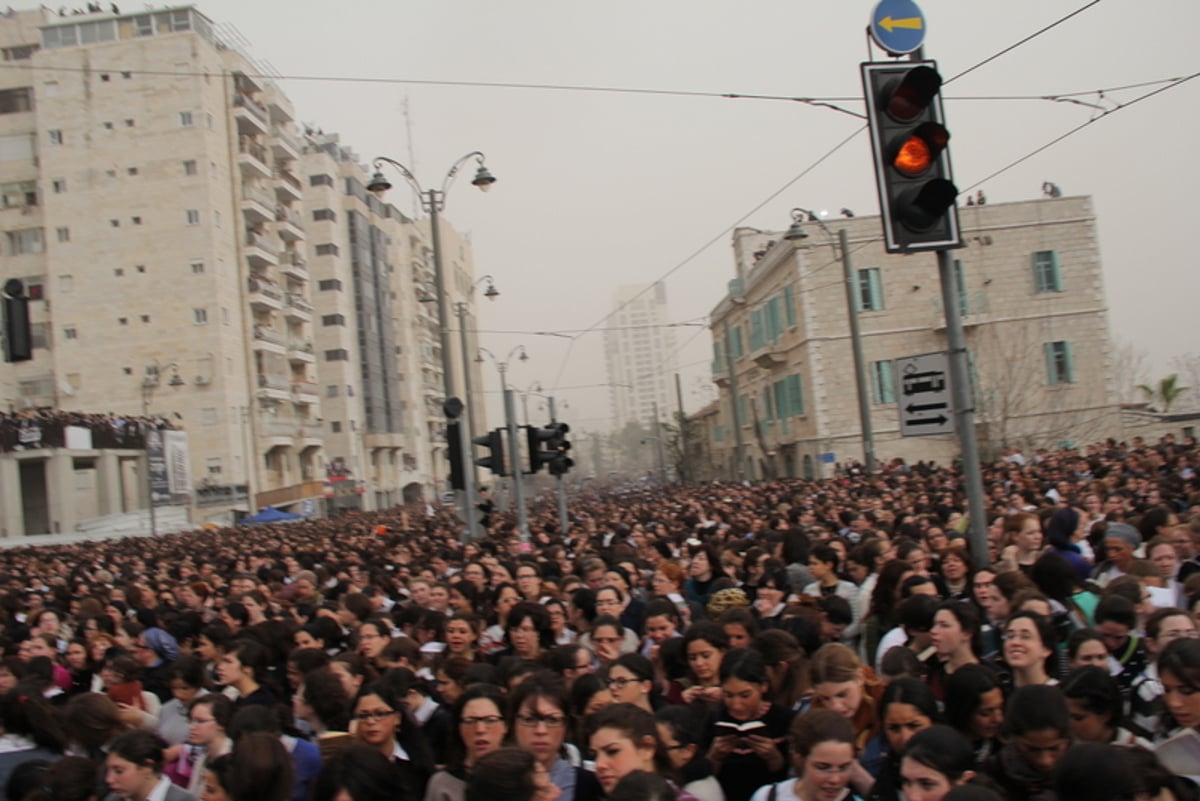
(152, 438)
(510, 420)
(796, 233)
(433, 201)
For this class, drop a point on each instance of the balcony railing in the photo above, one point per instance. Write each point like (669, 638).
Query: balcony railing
(258, 196)
(261, 242)
(269, 426)
(263, 288)
(253, 106)
(295, 259)
(289, 179)
(272, 381)
(251, 148)
(285, 214)
(269, 335)
(286, 136)
(302, 345)
(299, 303)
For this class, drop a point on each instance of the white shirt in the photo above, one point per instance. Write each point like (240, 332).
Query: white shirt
(159, 793)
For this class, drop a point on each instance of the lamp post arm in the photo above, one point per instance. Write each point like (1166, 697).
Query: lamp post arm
(404, 171)
(453, 171)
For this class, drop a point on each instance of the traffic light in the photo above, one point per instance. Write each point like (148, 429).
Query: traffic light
(540, 454)
(912, 164)
(454, 455)
(494, 442)
(18, 336)
(560, 463)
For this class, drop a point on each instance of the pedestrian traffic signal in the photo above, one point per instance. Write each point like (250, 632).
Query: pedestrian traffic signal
(561, 463)
(912, 164)
(18, 334)
(494, 442)
(541, 448)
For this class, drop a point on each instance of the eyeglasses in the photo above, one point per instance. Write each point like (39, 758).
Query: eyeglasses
(621, 683)
(375, 715)
(486, 720)
(551, 721)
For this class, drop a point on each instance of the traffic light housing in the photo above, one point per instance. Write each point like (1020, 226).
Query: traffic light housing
(454, 455)
(909, 142)
(18, 333)
(561, 463)
(494, 442)
(540, 444)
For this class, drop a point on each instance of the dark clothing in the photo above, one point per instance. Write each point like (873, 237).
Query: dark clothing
(1017, 777)
(743, 771)
(262, 696)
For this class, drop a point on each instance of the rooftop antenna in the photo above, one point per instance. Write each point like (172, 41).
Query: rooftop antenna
(412, 156)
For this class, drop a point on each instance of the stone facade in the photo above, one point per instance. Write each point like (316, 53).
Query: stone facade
(1036, 322)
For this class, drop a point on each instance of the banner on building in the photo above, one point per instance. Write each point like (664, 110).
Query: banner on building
(179, 474)
(156, 463)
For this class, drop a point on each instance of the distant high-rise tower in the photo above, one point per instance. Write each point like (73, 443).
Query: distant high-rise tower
(640, 351)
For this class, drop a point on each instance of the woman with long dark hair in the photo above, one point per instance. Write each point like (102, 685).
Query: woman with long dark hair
(745, 751)
(907, 707)
(383, 723)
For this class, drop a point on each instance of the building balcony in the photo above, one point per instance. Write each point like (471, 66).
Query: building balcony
(280, 108)
(300, 351)
(260, 251)
(284, 145)
(276, 427)
(264, 295)
(275, 387)
(253, 159)
(770, 357)
(268, 340)
(257, 205)
(287, 187)
(298, 308)
(295, 265)
(305, 393)
(251, 116)
(289, 224)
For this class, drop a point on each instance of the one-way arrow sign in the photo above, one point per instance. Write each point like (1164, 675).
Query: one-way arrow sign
(924, 383)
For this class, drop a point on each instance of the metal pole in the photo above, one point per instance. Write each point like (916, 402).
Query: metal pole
(860, 379)
(683, 430)
(525, 406)
(740, 470)
(466, 361)
(564, 523)
(434, 199)
(964, 410)
(146, 391)
(514, 461)
(658, 442)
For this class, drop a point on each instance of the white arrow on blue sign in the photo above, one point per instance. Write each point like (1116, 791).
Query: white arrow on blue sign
(898, 26)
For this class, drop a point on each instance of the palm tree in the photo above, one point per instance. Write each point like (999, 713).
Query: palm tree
(1167, 392)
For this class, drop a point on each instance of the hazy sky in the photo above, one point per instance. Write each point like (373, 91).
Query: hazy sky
(598, 189)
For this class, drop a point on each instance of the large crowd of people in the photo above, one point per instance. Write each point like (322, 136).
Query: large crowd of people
(790, 639)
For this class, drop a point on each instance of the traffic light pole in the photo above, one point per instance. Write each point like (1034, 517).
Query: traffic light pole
(564, 524)
(471, 532)
(514, 446)
(964, 409)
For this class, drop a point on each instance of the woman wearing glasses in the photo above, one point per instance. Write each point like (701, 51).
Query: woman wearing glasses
(538, 719)
(381, 722)
(479, 728)
(209, 717)
(631, 681)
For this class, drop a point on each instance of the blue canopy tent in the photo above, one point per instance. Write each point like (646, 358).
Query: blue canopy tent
(270, 514)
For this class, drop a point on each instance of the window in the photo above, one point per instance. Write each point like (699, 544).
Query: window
(333, 319)
(789, 306)
(119, 271)
(324, 214)
(186, 120)
(63, 233)
(216, 219)
(137, 220)
(19, 53)
(104, 77)
(883, 387)
(200, 316)
(108, 126)
(335, 426)
(1060, 367)
(320, 180)
(870, 290)
(327, 250)
(59, 185)
(331, 391)
(70, 332)
(13, 101)
(143, 25)
(145, 318)
(197, 267)
(132, 171)
(1046, 274)
(115, 223)
(756, 329)
(329, 285)
(337, 355)
(735, 342)
(122, 321)
(193, 216)
(128, 123)
(189, 167)
(18, 194)
(27, 240)
(56, 136)
(141, 268)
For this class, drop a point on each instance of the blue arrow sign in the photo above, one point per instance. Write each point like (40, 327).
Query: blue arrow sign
(898, 26)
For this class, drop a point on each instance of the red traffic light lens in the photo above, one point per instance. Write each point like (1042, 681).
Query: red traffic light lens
(916, 91)
(915, 153)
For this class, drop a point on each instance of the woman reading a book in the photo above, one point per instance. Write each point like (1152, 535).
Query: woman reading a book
(749, 746)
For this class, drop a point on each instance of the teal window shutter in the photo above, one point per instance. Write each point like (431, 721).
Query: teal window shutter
(876, 288)
(1051, 373)
(789, 305)
(1068, 363)
(1056, 274)
(795, 393)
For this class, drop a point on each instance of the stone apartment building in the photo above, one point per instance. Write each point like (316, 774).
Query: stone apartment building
(1031, 285)
(181, 238)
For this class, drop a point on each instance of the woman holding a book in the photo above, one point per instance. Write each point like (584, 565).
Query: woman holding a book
(749, 746)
